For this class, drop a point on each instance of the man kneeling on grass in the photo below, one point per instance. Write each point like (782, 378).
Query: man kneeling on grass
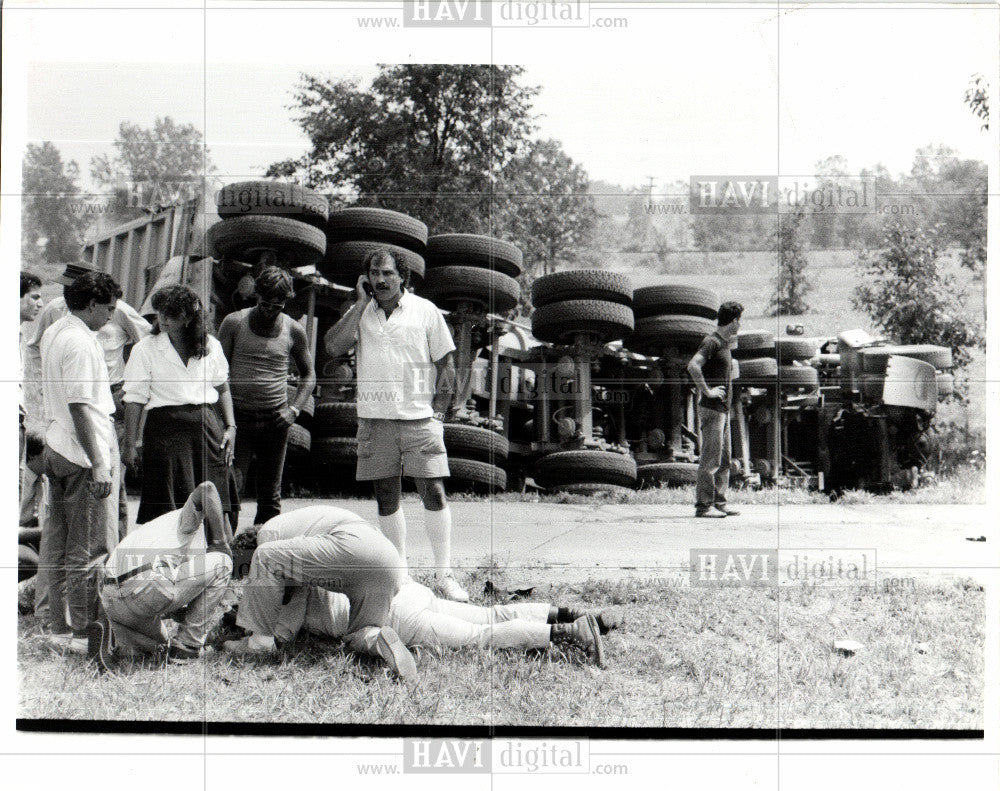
(421, 619)
(176, 565)
(333, 549)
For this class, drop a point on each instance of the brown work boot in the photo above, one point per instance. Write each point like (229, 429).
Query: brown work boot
(607, 618)
(397, 656)
(583, 632)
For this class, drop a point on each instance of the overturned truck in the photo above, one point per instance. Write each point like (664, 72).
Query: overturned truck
(591, 396)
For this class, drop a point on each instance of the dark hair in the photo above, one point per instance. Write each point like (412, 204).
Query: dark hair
(34, 445)
(29, 281)
(274, 283)
(96, 286)
(382, 255)
(729, 311)
(181, 301)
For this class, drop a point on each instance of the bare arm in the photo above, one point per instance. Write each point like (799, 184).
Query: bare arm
(101, 472)
(342, 336)
(204, 503)
(229, 417)
(694, 370)
(304, 364)
(227, 335)
(444, 387)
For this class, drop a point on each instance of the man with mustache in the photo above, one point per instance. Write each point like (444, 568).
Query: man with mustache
(405, 379)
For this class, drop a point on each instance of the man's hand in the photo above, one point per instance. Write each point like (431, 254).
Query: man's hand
(229, 444)
(718, 393)
(285, 417)
(130, 455)
(363, 296)
(100, 485)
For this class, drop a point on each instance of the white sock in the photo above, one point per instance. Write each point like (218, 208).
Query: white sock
(393, 527)
(260, 641)
(438, 526)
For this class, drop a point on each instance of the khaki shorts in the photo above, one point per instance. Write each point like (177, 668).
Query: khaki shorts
(413, 447)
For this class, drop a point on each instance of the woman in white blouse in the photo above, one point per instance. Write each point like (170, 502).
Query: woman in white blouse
(179, 377)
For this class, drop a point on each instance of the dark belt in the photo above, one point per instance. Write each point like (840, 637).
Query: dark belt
(129, 574)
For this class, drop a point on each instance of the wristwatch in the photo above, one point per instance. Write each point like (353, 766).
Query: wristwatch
(439, 416)
(295, 411)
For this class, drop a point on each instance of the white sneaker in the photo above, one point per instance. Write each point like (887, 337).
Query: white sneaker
(450, 589)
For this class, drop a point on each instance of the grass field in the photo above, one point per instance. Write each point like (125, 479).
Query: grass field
(686, 657)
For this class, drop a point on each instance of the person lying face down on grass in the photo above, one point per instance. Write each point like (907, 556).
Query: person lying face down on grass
(423, 620)
(325, 548)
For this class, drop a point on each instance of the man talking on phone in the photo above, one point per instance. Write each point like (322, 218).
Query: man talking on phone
(406, 375)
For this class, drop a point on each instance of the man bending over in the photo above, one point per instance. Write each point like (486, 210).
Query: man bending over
(421, 619)
(332, 549)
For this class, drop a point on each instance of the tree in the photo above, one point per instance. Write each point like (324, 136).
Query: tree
(973, 237)
(452, 146)
(52, 221)
(791, 285)
(430, 140)
(546, 208)
(978, 99)
(908, 297)
(154, 167)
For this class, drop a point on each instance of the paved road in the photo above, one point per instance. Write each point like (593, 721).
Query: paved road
(601, 540)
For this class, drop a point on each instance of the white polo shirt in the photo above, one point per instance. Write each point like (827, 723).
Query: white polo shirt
(396, 355)
(74, 372)
(156, 376)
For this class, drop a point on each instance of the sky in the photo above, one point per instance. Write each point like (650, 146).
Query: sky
(679, 91)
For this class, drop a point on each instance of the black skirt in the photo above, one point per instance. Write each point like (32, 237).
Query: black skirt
(181, 448)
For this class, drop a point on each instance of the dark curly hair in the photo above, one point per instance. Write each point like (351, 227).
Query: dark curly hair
(729, 311)
(380, 256)
(182, 302)
(29, 281)
(97, 286)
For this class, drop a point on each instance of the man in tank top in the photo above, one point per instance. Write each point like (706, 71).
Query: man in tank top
(261, 343)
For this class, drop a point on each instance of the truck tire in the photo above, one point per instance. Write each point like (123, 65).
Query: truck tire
(557, 323)
(675, 300)
(585, 466)
(754, 344)
(798, 376)
(272, 199)
(475, 476)
(365, 224)
(789, 350)
(299, 440)
(335, 451)
(468, 249)
(477, 444)
(654, 333)
(760, 369)
(669, 473)
(876, 360)
(298, 243)
(450, 286)
(335, 419)
(591, 489)
(581, 284)
(344, 261)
